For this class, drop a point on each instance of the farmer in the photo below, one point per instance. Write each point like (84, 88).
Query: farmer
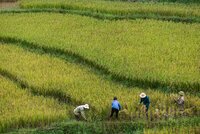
(146, 102)
(180, 101)
(80, 112)
(157, 113)
(115, 107)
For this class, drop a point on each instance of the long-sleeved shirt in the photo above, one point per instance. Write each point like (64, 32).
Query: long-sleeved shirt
(145, 100)
(116, 105)
(80, 111)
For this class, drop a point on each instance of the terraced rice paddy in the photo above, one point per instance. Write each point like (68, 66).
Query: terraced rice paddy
(52, 77)
(125, 48)
(121, 8)
(56, 55)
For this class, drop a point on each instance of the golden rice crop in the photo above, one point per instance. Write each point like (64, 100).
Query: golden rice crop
(19, 108)
(50, 74)
(119, 8)
(147, 50)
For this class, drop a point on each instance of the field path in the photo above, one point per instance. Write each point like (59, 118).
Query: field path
(8, 5)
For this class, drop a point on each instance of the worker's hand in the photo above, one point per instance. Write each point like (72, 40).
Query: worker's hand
(175, 101)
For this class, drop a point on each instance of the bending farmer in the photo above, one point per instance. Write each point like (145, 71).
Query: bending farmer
(80, 111)
(180, 101)
(115, 107)
(145, 100)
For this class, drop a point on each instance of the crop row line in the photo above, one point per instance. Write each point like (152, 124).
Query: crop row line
(58, 95)
(100, 70)
(107, 16)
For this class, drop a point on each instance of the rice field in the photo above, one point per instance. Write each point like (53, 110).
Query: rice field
(51, 76)
(117, 7)
(147, 51)
(19, 108)
(58, 54)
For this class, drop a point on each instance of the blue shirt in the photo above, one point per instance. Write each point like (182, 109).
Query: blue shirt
(116, 105)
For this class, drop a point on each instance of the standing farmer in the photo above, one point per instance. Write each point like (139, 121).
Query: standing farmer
(145, 100)
(80, 112)
(180, 101)
(115, 107)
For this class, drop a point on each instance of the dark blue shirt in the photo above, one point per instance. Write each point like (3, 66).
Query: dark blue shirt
(145, 100)
(116, 105)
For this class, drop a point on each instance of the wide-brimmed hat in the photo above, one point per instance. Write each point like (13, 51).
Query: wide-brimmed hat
(181, 93)
(143, 95)
(86, 106)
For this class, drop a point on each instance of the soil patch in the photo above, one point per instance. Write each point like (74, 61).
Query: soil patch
(7, 5)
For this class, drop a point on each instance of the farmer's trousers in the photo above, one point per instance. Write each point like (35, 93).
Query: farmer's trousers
(114, 110)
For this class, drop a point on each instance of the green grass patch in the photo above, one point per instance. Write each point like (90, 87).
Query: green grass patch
(186, 125)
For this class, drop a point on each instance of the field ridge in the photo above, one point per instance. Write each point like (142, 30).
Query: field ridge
(107, 16)
(21, 108)
(101, 70)
(108, 127)
(60, 96)
(116, 7)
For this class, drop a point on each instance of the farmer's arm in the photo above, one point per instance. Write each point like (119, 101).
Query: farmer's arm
(119, 106)
(177, 100)
(141, 100)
